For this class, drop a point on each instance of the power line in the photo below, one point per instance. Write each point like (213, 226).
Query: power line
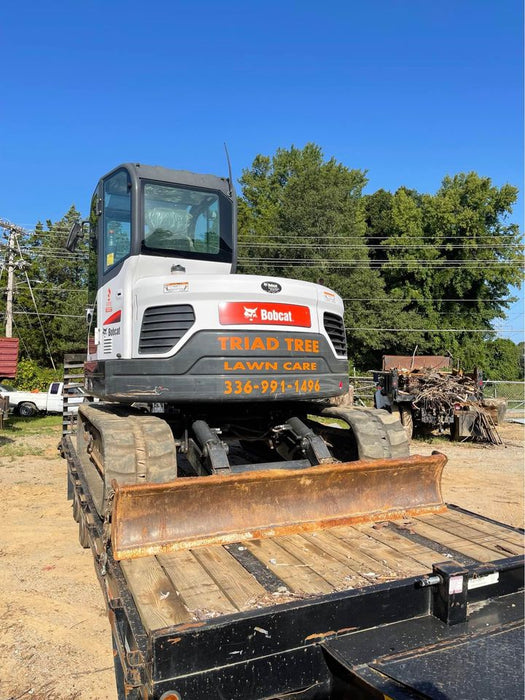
(375, 265)
(435, 330)
(37, 313)
(56, 252)
(369, 236)
(409, 299)
(46, 290)
(364, 246)
(19, 335)
(36, 309)
(244, 240)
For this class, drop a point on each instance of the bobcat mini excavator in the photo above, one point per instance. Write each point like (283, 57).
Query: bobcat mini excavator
(218, 418)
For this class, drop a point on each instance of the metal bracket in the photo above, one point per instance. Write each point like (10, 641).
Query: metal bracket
(449, 596)
(293, 435)
(214, 451)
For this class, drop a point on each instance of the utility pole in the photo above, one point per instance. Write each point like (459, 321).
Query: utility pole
(10, 264)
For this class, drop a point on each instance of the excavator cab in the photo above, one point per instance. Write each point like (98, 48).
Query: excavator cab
(145, 210)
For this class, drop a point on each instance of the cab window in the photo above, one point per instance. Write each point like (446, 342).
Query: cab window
(116, 219)
(181, 219)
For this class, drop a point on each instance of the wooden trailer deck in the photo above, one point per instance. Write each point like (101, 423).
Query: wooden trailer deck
(195, 585)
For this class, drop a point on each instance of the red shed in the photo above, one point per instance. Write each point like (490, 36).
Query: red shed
(8, 357)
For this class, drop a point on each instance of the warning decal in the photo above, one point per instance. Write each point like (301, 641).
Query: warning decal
(114, 318)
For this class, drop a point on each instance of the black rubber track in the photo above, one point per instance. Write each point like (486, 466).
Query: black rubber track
(131, 448)
(378, 433)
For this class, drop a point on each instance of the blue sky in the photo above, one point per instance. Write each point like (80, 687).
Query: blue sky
(408, 90)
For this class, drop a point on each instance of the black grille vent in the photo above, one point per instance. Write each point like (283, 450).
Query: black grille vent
(163, 327)
(335, 327)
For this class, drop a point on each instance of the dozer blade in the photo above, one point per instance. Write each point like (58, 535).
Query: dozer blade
(190, 512)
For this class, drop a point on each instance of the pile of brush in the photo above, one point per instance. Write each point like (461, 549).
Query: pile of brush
(440, 393)
(441, 389)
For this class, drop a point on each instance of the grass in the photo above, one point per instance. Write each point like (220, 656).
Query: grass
(505, 390)
(21, 451)
(21, 437)
(16, 426)
(433, 438)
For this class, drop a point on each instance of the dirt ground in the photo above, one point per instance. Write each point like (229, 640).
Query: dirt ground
(55, 640)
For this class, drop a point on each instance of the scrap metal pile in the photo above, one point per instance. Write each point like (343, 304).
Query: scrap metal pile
(451, 394)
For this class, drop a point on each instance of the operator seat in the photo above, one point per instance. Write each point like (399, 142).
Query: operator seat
(168, 228)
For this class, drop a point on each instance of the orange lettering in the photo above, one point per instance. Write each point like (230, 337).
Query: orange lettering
(300, 366)
(255, 365)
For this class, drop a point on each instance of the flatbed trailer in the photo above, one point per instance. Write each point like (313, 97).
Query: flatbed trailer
(426, 607)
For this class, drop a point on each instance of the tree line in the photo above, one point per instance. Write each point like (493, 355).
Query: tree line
(431, 272)
(418, 272)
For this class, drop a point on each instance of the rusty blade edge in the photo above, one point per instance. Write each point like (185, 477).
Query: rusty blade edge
(437, 459)
(122, 553)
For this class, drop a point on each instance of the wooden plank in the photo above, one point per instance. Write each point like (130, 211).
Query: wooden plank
(365, 569)
(299, 577)
(309, 552)
(396, 560)
(154, 594)
(512, 536)
(473, 550)
(490, 541)
(424, 555)
(196, 588)
(235, 582)
(504, 541)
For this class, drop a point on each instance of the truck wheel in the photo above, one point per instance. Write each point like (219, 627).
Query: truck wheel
(407, 420)
(27, 409)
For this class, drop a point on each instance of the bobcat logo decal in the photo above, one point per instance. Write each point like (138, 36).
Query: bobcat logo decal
(250, 314)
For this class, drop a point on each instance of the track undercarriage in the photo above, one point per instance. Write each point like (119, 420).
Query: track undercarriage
(184, 479)
(132, 447)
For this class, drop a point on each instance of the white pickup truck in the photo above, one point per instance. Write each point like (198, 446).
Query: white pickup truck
(29, 403)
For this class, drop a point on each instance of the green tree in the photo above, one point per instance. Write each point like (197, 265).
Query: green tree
(503, 360)
(50, 293)
(480, 255)
(302, 216)
(469, 217)
(452, 257)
